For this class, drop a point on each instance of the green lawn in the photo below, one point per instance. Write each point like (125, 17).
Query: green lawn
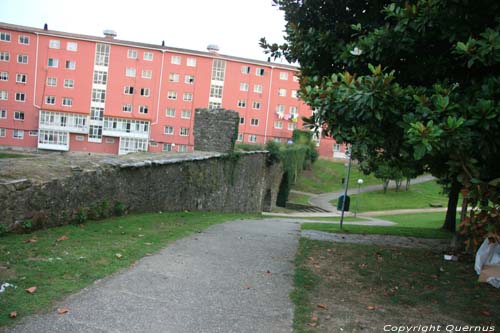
(339, 286)
(297, 198)
(91, 251)
(9, 155)
(326, 176)
(418, 196)
(424, 225)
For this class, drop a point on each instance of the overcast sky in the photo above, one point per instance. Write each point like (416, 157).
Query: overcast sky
(234, 25)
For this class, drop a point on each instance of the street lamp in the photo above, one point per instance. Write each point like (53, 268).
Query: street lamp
(360, 182)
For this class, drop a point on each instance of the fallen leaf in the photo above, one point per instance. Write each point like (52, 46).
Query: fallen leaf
(32, 240)
(62, 238)
(118, 255)
(148, 254)
(140, 236)
(148, 243)
(62, 310)
(313, 324)
(30, 290)
(314, 318)
(13, 314)
(486, 313)
(247, 286)
(371, 307)
(322, 306)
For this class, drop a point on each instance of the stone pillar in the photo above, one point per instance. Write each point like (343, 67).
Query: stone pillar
(215, 130)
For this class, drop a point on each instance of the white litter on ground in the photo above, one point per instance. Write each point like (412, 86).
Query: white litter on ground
(5, 285)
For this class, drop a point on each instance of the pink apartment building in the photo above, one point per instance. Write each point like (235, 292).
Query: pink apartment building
(62, 91)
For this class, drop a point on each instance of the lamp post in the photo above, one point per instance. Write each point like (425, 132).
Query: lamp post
(360, 182)
(345, 189)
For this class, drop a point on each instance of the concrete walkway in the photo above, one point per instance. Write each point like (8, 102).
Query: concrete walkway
(323, 200)
(233, 277)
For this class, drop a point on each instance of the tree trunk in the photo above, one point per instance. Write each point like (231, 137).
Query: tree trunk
(451, 213)
(385, 184)
(408, 180)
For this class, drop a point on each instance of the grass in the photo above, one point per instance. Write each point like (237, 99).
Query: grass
(9, 155)
(375, 285)
(296, 198)
(418, 196)
(326, 176)
(92, 251)
(423, 225)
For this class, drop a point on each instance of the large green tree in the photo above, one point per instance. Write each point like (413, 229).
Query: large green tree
(433, 98)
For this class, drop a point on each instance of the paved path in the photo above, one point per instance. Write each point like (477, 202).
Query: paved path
(323, 200)
(233, 277)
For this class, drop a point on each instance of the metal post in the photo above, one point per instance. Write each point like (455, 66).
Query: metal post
(360, 181)
(345, 189)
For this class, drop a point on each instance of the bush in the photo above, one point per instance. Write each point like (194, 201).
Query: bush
(119, 208)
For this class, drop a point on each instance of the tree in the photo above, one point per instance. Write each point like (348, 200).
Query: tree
(434, 101)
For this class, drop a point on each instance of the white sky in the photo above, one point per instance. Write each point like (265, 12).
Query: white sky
(234, 25)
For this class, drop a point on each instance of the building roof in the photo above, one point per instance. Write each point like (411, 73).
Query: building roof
(109, 40)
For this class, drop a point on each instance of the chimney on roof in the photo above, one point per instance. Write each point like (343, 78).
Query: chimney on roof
(162, 43)
(213, 48)
(45, 27)
(108, 33)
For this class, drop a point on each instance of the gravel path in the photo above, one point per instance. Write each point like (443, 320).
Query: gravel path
(233, 277)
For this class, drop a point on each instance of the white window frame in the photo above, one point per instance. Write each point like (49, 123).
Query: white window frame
(19, 115)
(3, 132)
(5, 56)
(18, 134)
(252, 138)
(54, 44)
(4, 76)
(170, 112)
(23, 40)
(284, 76)
(51, 99)
(166, 147)
(254, 122)
(72, 46)
(173, 77)
(242, 103)
(245, 70)
(187, 97)
(243, 86)
(143, 109)
(189, 79)
(53, 62)
(22, 58)
(128, 90)
(258, 88)
(171, 94)
(148, 56)
(184, 131)
(69, 83)
(259, 71)
(191, 62)
(132, 54)
(130, 72)
(4, 95)
(278, 124)
(282, 92)
(70, 64)
(182, 148)
(147, 73)
(186, 114)
(98, 95)
(3, 114)
(21, 78)
(168, 130)
(20, 97)
(256, 105)
(145, 92)
(67, 102)
(5, 36)
(176, 60)
(127, 108)
(52, 82)
(292, 126)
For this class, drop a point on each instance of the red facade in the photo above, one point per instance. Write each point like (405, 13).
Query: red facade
(61, 91)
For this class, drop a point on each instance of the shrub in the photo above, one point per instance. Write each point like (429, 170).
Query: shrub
(119, 208)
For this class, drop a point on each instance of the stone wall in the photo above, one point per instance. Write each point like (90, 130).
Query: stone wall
(237, 182)
(215, 130)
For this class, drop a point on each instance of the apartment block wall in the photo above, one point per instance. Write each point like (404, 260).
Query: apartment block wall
(168, 85)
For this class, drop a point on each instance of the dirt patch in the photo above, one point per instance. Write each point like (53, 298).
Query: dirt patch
(362, 288)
